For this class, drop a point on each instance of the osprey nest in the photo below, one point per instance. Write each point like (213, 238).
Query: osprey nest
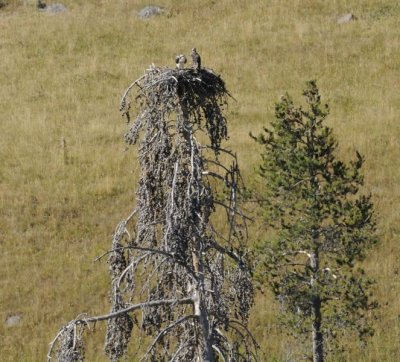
(199, 94)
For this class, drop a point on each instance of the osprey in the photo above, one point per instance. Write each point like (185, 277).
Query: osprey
(180, 61)
(41, 5)
(196, 60)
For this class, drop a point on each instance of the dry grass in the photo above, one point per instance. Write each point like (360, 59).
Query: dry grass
(62, 76)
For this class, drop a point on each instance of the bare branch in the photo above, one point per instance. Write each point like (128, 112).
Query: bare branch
(247, 331)
(230, 209)
(166, 330)
(153, 303)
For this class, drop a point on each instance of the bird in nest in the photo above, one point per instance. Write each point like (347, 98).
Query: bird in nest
(41, 5)
(196, 59)
(180, 61)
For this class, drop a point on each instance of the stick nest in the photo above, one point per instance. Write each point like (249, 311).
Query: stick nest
(200, 93)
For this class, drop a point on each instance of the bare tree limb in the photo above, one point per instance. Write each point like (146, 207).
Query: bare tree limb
(165, 331)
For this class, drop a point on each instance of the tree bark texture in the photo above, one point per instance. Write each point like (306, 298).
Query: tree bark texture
(317, 336)
(198, 289)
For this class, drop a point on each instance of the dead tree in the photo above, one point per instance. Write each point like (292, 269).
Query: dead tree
(176, 275)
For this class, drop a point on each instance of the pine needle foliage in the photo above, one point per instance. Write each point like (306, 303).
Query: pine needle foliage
(174, 276)
(323, 225)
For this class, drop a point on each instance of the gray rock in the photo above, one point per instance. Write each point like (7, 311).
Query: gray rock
(53, 8)
(150, 11)
(13, 319)
(346, 18)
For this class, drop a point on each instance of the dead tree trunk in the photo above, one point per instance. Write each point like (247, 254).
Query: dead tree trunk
(317, 335)
(190, 151)
(175, 274)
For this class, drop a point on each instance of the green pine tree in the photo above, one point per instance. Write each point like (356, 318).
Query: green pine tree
(323, 226)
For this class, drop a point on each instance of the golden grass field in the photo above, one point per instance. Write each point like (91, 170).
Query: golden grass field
(61, 77)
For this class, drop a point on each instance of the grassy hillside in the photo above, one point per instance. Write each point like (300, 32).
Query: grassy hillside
(61, 78)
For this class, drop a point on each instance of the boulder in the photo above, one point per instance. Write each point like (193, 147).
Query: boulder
(13, 319)
(52, 8)
(346, 18)
(150, 11)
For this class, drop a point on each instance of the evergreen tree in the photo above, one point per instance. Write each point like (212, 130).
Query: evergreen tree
(323, 226)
